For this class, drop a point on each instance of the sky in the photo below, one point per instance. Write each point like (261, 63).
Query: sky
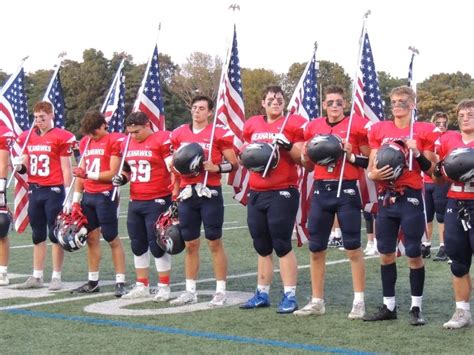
(271, 34)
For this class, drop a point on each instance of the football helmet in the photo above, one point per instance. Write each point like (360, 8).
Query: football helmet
(393, 154)
(5, 222)
(71, 232)
(459, 164)
(256, 155)
(189, 159)
(168, 233)
(325, 149)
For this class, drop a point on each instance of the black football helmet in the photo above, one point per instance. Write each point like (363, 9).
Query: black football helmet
(71, 233)
(256, 155)
(393, 154)
(5, 222)
(459, 164)
(325, 149)
(168, 233)
(188, 159)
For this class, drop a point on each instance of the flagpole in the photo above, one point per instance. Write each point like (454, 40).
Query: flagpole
(233, 7)
(114, 82)
(414, 52)
(71, 185)
(57, 66)
(361, 46)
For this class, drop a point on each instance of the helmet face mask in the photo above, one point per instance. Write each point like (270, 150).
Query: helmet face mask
(325, 149)
(255, 157)
(71, 234)
(393, 154)
(189, 159)
(168, 233)
(459, 164)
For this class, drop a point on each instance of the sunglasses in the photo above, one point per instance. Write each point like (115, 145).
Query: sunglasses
(330, 103)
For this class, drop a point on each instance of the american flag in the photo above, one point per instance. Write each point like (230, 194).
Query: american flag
(149, 98)
(230, 112)
(368, 103)
(305, 102)
(410, 72)
(54, 94)
(114, 104)
(14, 114)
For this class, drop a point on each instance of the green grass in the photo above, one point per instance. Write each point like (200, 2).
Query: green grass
(37, 333)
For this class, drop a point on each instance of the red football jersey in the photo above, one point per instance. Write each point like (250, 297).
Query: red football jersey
(285, 174)
(425, 135)
(44, 155)
(97, 158)
(150, 178)
(357, 137)
(6, 138)
(223, 139)
(447, 143)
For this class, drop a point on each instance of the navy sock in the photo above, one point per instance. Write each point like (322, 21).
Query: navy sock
(389, 278)
(417, 281)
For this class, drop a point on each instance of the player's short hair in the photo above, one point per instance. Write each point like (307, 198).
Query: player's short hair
(274, 89)
(464, 104)
(137, 119)
(404, 90)
(92, 120)
(439, 114)
(210, 102)
(43, 106)
(334, 89)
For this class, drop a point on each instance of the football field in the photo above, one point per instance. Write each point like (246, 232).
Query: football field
(43, 322)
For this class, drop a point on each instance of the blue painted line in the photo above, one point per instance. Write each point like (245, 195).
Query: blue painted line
(167, 330)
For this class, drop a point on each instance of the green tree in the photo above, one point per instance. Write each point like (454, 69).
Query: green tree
(36, 85)
(386, 84)
(254, 81)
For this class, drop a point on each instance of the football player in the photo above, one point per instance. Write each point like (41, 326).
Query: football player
(273, 199)
(400, 199)
(459, 235)
(202, 202)
(325, 203)
(93, 197)
(150, 196)
(6, 139)
(47, 160)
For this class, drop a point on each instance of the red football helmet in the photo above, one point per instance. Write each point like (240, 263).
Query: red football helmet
(168, 233)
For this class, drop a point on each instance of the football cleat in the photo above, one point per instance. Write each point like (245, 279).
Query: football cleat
(31, 282)
(416, 317)
(425, 251)
(218, 300)
(55, 284)
(260, 299)
(88, 287)
(139, 290)
(120, 289)
(186, 297)
(382, 313)
(358, 311)
(287, 304)
(312, 308)
(441, 255)
(163, 294)
(4, 279)
(460, 319)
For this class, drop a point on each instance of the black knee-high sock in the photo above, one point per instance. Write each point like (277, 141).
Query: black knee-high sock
(389, 278)
(417, 281)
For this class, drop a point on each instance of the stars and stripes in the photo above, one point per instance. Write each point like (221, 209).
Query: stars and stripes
(305, 102)
(114, 104)
(230, 112)
(149, 98)
(54, 94)
(14, 114)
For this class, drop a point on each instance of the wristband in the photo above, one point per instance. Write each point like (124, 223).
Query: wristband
(22, 169)
(76, 197)
(424, 163)
(225, 167)
(93, 175)
(361, 161)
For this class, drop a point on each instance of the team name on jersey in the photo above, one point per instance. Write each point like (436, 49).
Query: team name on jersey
(39, 148)
(99, 151)
(260, 136)
(139, 153)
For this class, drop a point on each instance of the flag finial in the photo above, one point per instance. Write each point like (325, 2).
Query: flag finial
(315, 45)
(234, 7)
(62, 54)
(368, 12)
(413, 50)
(25, 58)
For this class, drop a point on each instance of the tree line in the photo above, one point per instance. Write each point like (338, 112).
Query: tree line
(85, 85)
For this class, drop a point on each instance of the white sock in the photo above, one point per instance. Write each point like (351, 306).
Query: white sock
(191, 285)
(3, 269)
(441, 245)
(332, 235)
(56, 275)
(358, 297)
(416, 301)
(220, 286)
(93, 276)
(338, 232)
(38, 274)
(263, 288)
(389, 302)
(289, 289)
(427, 243)
(163, 285)
(316, 299)
(463, 305)
(120, 278)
